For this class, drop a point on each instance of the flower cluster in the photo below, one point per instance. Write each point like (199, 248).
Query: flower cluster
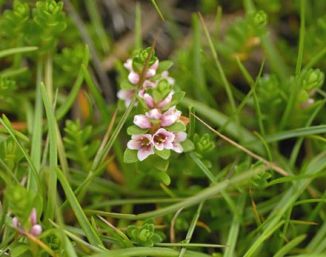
(35, 229)
(161, 127)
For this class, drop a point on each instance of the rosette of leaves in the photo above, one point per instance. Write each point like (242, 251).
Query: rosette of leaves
(271, 98)
(49, 21)
(79, 143)
(53, 239)
(68, 63)
(140, 57)
(7, 90)
(13, 23)
(145, 234)
(310, 80)
(20, 201)
(204, 144)
(10, 154)
(243, 35)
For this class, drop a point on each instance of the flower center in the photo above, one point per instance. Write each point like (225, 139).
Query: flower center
(159, 139)
(145, 142)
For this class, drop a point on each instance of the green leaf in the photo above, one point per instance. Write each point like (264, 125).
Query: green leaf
(134, 130)
(89, 231)
(177, 127)
(187, 145)
(177, 97)
(164, 177)
(164, 65)
(160, 164)
(17, 50)
(164, 154)
(130, 156)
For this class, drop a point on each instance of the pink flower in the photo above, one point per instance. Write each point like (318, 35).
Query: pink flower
(155, 117)
(179, 137)
(163, 139)
(152, 104)
(142, 143)
(126, 95)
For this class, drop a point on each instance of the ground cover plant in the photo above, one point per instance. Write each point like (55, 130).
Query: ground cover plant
(162, 128)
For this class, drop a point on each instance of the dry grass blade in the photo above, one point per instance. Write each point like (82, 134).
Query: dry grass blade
(268, 164)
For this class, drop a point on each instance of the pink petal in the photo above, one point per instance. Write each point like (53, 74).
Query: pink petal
(177, 148)
(142, 121)
(133, 77)
(170, 117)
(143, 153)
(36, 230)
(166, 101)
(149, 84)
(180, 136)
(154, 114)
(133, 144)
(159, 146)
(15, 222)
(155, 65)
(150, 73)
(128, 64)
(148, 100)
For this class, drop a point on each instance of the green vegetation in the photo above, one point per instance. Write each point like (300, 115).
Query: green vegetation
(162, 128)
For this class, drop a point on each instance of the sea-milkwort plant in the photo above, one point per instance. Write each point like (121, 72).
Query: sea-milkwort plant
(159, 128)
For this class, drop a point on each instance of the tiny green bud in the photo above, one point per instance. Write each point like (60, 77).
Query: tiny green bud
(260, 18)
(204, 144)
(312, 79)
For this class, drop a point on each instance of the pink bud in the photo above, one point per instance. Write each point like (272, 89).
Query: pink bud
(142, 121)
(167, 100)
(33, 217)
(133, 77)
(154, 114)
(15, 222)
(126, 95)
(155, 65)
(170, 117)
(128, 64)
(148, 100)
(36, 230)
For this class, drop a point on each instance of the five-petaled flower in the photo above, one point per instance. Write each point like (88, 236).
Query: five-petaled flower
(143, 144)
